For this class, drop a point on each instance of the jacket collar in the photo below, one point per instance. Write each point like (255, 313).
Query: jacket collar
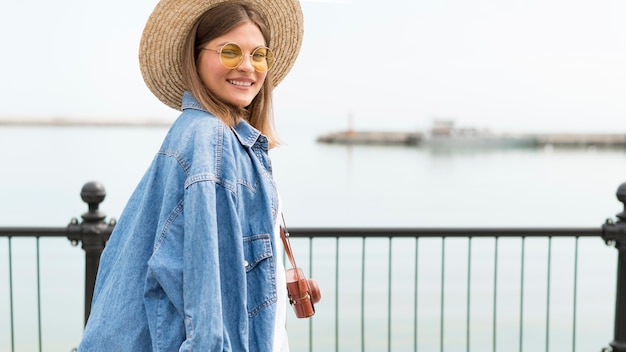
(246, 134)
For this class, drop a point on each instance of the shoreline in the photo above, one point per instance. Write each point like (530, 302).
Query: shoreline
(70, 122)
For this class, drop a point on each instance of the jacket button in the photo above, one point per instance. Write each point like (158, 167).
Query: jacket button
(245, 263)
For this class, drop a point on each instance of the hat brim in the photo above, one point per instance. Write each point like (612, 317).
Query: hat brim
(161, 46)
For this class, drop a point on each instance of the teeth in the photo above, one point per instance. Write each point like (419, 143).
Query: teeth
(239, 83)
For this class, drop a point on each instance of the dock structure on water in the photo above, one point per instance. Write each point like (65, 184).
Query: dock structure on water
(373, 138)
(419, 139)
(574, 140)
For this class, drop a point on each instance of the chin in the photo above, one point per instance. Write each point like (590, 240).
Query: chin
(242, 104)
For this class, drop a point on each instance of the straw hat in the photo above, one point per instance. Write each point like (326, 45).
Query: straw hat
(160, 50)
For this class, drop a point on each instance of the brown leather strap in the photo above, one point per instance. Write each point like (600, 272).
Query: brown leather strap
(284, 235)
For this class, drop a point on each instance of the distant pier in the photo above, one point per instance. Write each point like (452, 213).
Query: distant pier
(375, 138)
(560, 140)
(582, 140)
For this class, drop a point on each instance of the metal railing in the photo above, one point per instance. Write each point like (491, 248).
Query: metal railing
(93, 232)
(439, 247)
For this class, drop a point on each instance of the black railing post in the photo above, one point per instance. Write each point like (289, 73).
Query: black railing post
(93, 233)
(616, 233)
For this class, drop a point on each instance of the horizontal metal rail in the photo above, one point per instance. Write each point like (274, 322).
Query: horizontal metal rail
(33, 231)
(367, 232)
(447, 232)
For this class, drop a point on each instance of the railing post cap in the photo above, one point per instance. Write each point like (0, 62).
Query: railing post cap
(621, 192)
(621, 196)
(93, 192)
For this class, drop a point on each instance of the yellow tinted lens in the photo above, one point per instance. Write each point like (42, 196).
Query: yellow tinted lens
(262, 59)
(231, 55)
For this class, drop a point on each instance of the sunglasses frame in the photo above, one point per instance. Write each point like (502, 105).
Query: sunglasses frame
(269, 58)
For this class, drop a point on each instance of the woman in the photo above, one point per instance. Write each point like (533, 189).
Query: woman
(193, 262)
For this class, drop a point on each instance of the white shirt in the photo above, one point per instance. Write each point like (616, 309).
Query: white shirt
(281, 342)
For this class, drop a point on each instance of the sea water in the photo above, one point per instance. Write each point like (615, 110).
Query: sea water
(43, 169)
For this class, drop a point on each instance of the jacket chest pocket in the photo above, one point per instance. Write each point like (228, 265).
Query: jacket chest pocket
(260, 273)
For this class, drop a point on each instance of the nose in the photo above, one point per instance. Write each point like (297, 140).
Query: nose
(246, 64)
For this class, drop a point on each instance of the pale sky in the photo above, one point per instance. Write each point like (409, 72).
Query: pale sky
(537, 65)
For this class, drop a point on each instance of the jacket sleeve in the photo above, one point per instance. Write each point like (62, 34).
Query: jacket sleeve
(209, 212)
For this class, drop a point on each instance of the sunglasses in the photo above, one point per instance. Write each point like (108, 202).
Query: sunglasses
(231, 56)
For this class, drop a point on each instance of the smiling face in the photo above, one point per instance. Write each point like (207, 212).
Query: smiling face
(236, 86)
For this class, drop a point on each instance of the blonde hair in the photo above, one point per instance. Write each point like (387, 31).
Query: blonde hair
(212, 24)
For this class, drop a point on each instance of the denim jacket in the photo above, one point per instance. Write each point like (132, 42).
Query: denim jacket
(190, 265)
